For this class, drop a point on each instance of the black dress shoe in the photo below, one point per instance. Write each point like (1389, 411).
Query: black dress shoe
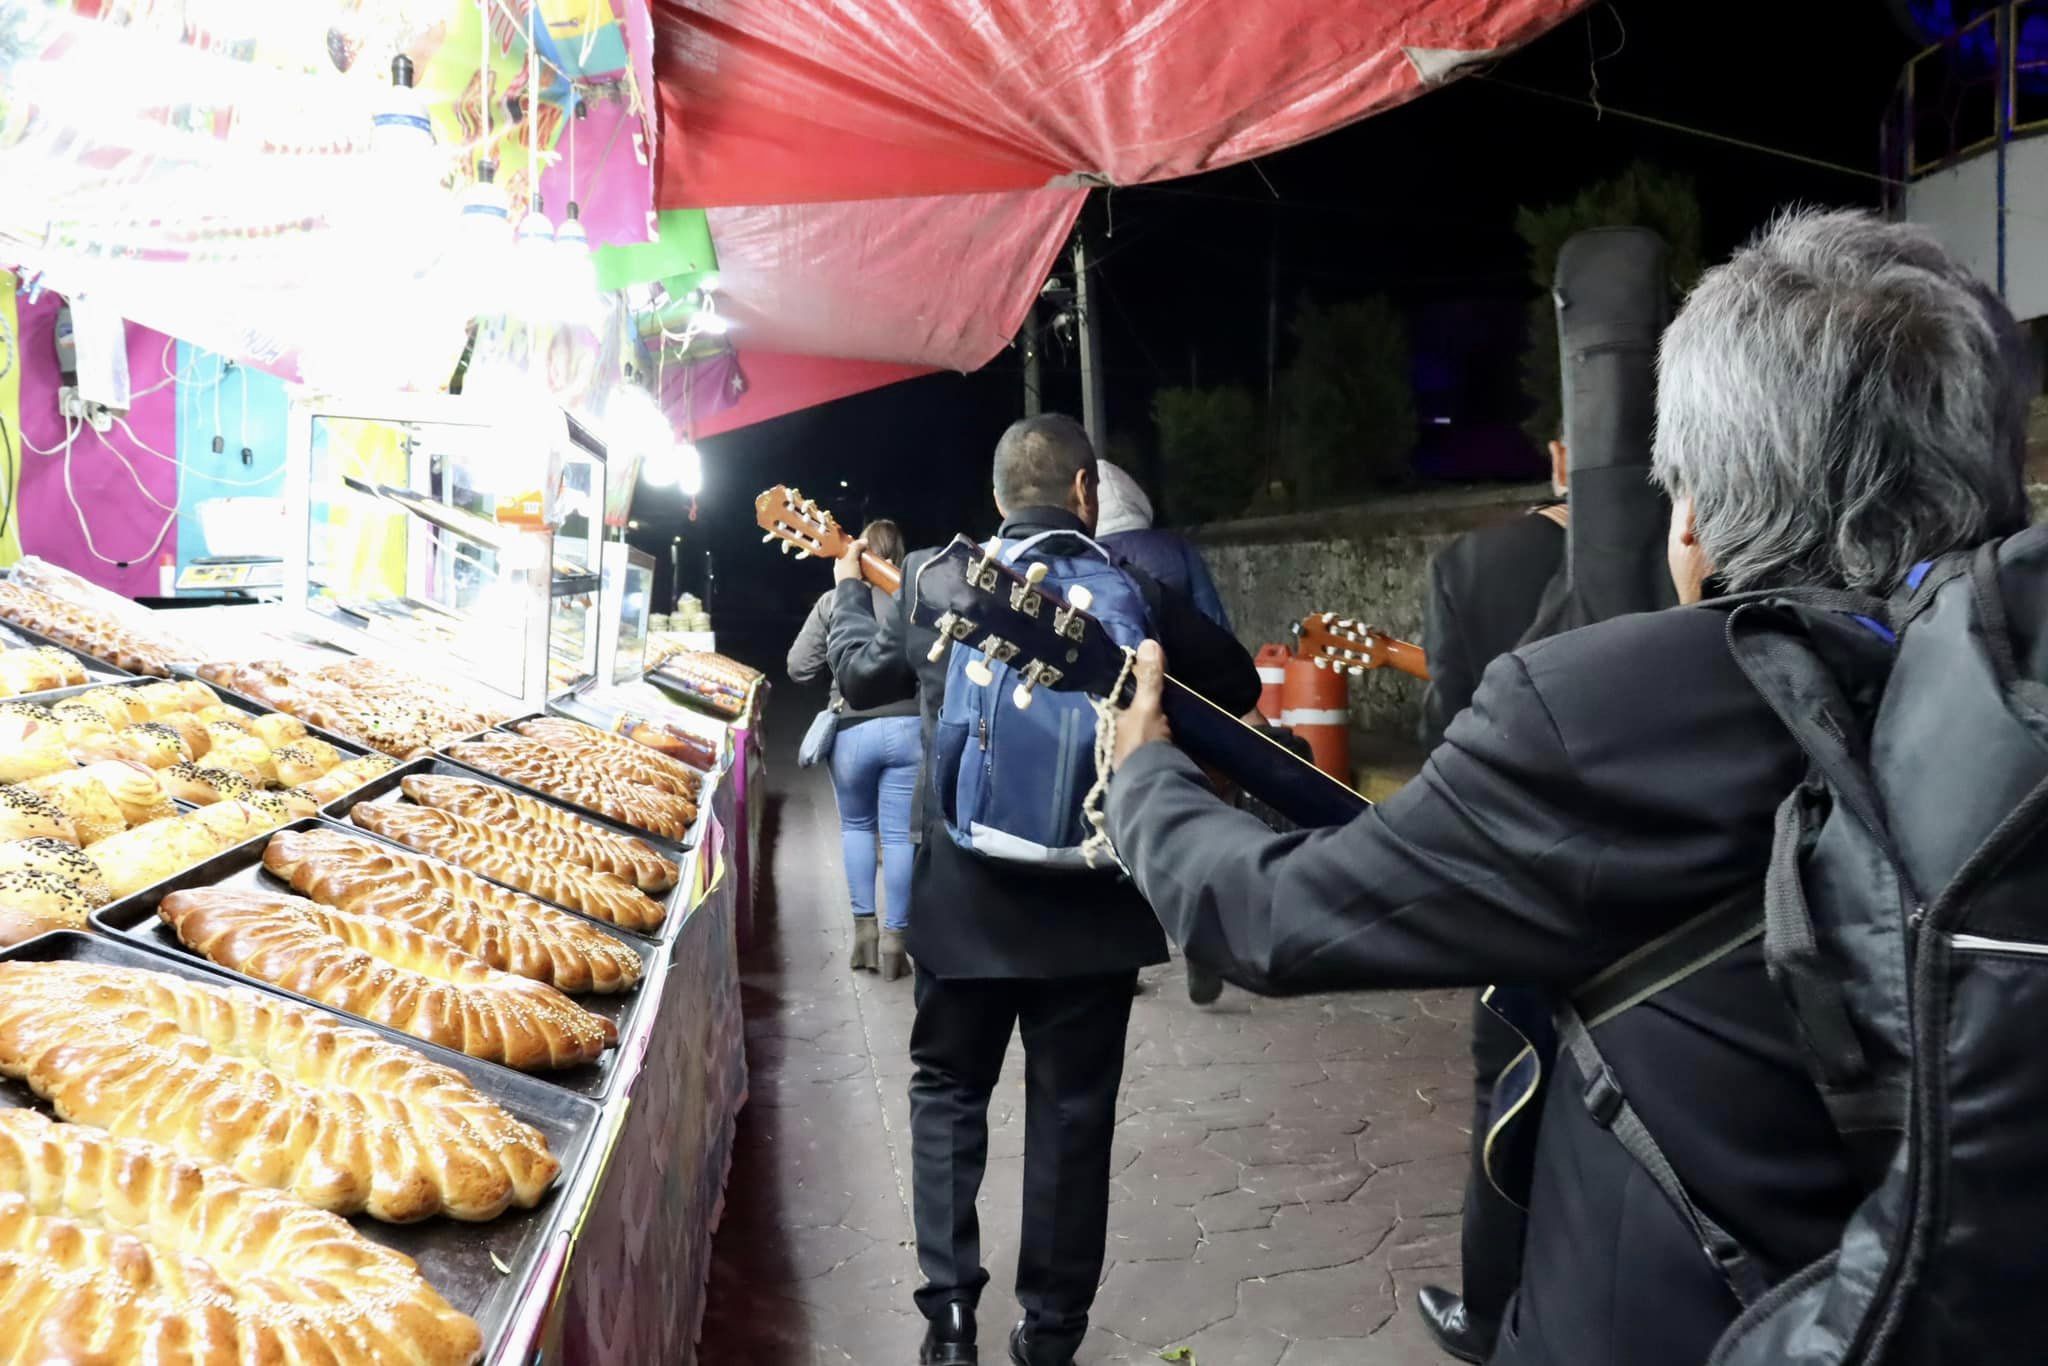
(949, 1340)
(1023, 1352)
(1204, 986)
(1454, 1330)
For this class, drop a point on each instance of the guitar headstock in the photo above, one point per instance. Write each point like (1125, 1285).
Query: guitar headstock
(799, 523)
(1352, 647)
(968, 595)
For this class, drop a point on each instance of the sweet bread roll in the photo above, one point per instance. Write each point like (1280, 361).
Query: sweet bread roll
(18, 927)
(30, 748)
(560, 774)
(296, 763)
(231, 823)
(54, 858)
(91, 717)
(197, 741)
(390, 973)
(203, 786)
(151, 743)
(504, 857)
(87, 803)
(150, 853)
(38, 668)
(239, 752)
(509, 932)
(547, 830)
(27, 814)
(63, 905)
(273, 807)
(119, 705)
(281, 1095)
(345, 777)
(79, 723)
(122, 1251)
(221, 711)
(170, 699)
(296, 803)
(135, 788)
(275, 729)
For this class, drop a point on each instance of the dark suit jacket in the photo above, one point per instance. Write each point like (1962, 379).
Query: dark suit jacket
(1605, 786)
(970, 917)
(1484, 590)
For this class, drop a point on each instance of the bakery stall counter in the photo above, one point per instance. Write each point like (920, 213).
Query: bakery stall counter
(523, 841)
(70, 997)
(336, 918)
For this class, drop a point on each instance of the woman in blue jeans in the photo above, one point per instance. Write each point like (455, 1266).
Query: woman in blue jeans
(875, 757)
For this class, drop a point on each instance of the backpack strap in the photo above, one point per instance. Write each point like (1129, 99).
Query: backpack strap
(1610, 1109)
(1019, 547)
(1670, 958)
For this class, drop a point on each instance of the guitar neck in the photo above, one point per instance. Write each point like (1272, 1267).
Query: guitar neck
(1402, 656)
(879, 573)
(1261, 765)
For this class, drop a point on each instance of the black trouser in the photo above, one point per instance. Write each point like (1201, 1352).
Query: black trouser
(1493, 1223)
(1073, 1031)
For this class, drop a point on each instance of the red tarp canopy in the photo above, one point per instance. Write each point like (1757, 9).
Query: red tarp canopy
(890, 180)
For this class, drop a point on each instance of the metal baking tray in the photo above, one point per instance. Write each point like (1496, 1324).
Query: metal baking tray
(387, 791)
(669, 848)
(91, 661)
(455, 1257)
(134, 918)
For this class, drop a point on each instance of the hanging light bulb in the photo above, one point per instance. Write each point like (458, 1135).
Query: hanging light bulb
(400, 126)
(690, 469)
(574, 271)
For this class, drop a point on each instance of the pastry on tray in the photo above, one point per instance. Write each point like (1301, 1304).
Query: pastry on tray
(30, 748)
(390, 973)
(559, 774)
(510, 932)
(37, 669)
(629, 758)
(27, 814)
(545, 829)
(344, 778)
(151, 743)
(503, 856)
(281, 1095)
(162, 849)
(203, 785)
(118, 789)
(121, 1250)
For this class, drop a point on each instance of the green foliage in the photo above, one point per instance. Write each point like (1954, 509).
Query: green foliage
(1210, 450)
(1643, 196)
(1348, 401)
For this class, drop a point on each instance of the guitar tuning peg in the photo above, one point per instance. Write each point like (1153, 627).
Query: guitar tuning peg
(767, 536)
(1322, 663)
(803, 553)
(787, 547)
(938, 650)
(1022, 697)
(1035, 575)
(979, 671)
(1080, 598)
(1356, 671)
(1329, 617)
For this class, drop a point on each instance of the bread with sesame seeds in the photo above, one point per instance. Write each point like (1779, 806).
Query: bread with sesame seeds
(282, 1095)
(30, 748)
(120, 1250)
(27, 814)
(202, 785)
(151, 743)
(134, 789)
(390, 973)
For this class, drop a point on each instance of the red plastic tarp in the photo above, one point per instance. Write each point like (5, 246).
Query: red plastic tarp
(889, 180)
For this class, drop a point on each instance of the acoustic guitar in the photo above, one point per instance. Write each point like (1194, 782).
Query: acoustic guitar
(1339, 642)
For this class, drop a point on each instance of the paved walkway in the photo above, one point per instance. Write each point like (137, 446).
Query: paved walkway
(1287, 1172)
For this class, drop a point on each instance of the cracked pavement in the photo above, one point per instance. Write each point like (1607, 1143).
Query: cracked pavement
(1286, 1172)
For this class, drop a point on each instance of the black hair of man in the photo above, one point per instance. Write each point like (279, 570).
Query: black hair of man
(1037, 459)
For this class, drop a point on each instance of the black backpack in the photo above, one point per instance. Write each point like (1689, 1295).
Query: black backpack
(1905, 923)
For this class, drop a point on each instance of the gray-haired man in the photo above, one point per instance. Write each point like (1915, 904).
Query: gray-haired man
(1838, 403)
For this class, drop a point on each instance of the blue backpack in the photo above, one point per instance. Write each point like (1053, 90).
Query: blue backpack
(1010, 780)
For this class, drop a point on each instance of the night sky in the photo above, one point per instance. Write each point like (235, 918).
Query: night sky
(1417, 203)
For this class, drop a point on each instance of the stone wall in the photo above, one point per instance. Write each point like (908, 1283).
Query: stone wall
(1369, 562)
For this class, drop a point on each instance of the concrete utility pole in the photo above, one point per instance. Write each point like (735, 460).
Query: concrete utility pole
(1094, 410)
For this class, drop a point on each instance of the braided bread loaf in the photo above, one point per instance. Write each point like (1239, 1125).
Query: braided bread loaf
(504, 857)
(547, 830)
(283, 1096)
(510, 932)
(390, 973)
(559, 774)
(633, 760)
(115, 1250)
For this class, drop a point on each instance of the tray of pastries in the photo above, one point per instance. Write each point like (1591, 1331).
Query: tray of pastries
(364, 701)
(593, 773)
(43, 619)
(527, 843)
(417, 1189)
(342, 920)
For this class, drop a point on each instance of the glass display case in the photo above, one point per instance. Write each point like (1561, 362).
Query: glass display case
(628, 598)
(463, 538)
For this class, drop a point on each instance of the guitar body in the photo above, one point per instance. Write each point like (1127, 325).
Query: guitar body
(1508, 1150)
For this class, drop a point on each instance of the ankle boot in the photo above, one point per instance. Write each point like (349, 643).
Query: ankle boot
(895, 959)
(866, 937)
(949, 1338)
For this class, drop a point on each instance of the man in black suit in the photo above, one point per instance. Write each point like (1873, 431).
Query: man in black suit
(998, 946)
(1485, 588)
(1840, 402)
